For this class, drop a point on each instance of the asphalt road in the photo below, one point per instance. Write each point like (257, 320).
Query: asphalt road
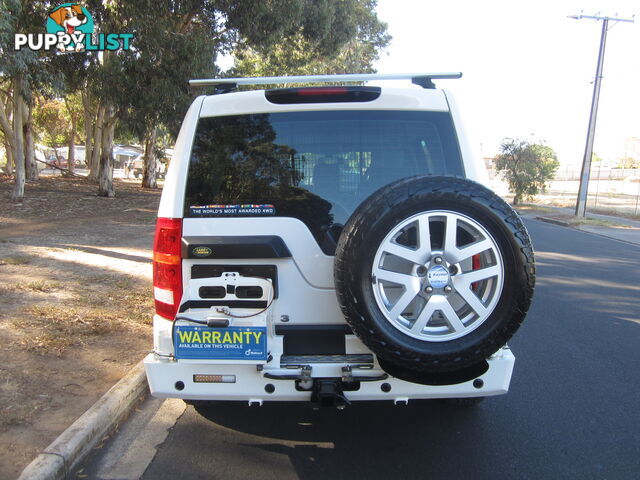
(572, 411)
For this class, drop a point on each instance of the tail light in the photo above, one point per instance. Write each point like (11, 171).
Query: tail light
(167, 266)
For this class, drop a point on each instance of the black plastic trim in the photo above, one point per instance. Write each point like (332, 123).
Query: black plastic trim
(343, 329)
(235, 247)
(212, 292)
(313, 339)
(248, 291)
(221, 303)
(352, 358)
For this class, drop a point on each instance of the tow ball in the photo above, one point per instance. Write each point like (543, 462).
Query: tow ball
(328, 393)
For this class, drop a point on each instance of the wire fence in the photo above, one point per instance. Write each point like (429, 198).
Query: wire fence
(611, 190)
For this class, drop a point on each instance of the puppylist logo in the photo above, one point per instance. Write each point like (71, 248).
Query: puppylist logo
(70, 28)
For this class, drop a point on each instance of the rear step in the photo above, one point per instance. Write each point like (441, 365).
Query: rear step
(358, 360)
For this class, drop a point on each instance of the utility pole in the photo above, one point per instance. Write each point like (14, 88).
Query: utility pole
(581, 203)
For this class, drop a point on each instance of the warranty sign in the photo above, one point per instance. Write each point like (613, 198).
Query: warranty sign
(230, 343)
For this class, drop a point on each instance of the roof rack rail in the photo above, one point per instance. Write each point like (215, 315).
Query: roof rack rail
(223, 85)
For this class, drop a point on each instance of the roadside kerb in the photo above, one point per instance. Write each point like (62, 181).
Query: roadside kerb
(555, 221)
(67, 451)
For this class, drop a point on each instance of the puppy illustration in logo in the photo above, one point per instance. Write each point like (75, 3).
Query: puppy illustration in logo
(70, 17)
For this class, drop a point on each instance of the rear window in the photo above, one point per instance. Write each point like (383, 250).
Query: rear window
(314, 166)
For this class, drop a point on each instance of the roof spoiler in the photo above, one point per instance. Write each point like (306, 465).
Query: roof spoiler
(223, 85)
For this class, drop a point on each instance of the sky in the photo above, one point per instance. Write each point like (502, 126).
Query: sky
(527, 68)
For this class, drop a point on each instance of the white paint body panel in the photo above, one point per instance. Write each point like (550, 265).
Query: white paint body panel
(173, 192)
(240, 103)
(163, 374)
(305, 281)
(315, 267)
(474, 166)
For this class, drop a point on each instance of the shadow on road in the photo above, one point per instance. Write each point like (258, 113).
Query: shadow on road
(367, 440)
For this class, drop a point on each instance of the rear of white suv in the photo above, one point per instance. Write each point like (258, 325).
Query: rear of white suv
(265, 191)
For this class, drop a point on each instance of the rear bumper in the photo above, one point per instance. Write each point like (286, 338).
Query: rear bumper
(169, 378)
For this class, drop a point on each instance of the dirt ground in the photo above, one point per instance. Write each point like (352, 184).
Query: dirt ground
(75, 304)
(570, 219)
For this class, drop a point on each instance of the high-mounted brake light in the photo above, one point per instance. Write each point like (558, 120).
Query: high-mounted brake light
(322, 91)
(167, 266)
(333, 94)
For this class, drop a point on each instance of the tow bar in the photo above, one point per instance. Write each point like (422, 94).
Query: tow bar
(328, 393)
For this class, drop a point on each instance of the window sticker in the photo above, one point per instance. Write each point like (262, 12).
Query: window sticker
(231, 210)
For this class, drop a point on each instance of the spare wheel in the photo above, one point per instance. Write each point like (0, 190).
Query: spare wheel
(434, 273)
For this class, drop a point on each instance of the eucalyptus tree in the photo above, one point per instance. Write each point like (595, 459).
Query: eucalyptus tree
(21, 72)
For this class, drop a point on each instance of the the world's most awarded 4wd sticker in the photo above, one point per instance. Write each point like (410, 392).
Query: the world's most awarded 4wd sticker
(231, 343)
(231, 210)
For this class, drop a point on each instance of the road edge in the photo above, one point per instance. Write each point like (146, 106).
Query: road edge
(72, 446)
(554, 221)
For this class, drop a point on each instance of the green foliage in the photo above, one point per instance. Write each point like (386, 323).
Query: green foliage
(51, 121)
(526, 167)
(177, 41)
(298, 55)
(35, 68)
(174, 41)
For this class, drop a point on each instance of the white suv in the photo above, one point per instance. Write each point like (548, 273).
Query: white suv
(331, 244)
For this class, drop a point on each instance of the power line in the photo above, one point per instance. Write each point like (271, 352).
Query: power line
(581, 203)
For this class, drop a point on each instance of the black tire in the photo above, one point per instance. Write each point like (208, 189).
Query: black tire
(377, 216)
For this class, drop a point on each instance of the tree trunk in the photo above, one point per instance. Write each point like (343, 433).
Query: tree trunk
(18, 141)
(6, 125)
(105, 171)
(71, 156)
(88, 128)
(94, 167)
(29, 152)
(517, 199)
(150, 165)
(8, 150)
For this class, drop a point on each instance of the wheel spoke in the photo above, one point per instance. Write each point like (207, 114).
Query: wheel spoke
(402, 303)
(424, 317)
(472, 300)
(401, 251)
(424, 237)
(451, 316)
(450, 234)
(404, 279)
(473, 249)
(466, 279)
